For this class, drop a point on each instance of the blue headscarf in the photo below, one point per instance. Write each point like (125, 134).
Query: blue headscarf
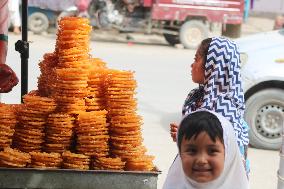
(222, 90)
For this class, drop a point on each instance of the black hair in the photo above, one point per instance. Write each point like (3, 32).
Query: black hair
(203, 48)
(193, 124)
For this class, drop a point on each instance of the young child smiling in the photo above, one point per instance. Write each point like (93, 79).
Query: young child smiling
(208, 155)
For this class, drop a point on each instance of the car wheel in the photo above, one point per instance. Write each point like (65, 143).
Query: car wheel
(192, 33)
(265, 116)
(38, 22)
(172, 39)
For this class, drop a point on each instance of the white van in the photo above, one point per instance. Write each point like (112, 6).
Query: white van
(262, 57)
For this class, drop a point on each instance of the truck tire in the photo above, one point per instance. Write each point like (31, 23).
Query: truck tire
(38, 22)
(192, 33)
(232, 30)
(264, 115)
(172, 39)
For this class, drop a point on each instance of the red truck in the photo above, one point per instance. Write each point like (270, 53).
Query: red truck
(180, 21)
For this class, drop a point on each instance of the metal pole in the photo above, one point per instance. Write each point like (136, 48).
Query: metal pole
(25, 20)
(22, 46)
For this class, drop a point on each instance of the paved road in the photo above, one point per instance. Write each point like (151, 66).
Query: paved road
(162, 73)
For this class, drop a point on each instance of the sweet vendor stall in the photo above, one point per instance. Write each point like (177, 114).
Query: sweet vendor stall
(80, 127)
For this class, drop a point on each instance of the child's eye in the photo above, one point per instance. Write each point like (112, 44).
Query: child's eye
(191, 150)
(213, 151)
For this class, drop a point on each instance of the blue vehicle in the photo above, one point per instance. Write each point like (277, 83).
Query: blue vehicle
(44, 13)
(40, 20)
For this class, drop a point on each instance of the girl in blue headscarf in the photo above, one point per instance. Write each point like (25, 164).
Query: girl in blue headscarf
(216, 69)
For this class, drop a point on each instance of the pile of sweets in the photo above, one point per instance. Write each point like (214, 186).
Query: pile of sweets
(83, 115)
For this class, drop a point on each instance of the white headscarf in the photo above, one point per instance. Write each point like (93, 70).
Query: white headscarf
(233, 175)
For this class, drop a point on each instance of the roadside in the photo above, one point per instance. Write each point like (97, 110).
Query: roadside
(253, 25)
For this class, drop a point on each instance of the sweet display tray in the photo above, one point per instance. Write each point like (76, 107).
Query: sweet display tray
(77, 179)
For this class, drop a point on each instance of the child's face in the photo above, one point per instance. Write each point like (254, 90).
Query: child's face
(197, 69)
(202, 159)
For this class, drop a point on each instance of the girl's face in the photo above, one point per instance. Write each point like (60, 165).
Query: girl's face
(197, 68)
(202, 159)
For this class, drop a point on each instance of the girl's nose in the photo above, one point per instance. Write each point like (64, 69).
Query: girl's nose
(201, 159)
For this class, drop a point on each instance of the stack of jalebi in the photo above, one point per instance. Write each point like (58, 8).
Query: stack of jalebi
(120, 91)
(125, 125)
(72, 71)
(143, 163)
(45, 160)
(108, 163)
(82, 112)
(73, 32)
(92, 134)
(59, 133)
(14, 158)
(70, 89)
(29, 133)
(75, 161)
(96, 99)
(98, 63)
(47, 77)
(8, 122)
(70, 105)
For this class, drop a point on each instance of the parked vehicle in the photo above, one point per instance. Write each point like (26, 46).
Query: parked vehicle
(40, 20)
(263, 75)
(180, 21)
(44, 13)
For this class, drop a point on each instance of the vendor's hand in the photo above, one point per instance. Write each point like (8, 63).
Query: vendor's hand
(174, 128)
(8, 78)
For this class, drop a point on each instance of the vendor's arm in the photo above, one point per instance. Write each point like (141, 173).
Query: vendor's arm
(4, 16)
(8, 78)
(3, 50)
